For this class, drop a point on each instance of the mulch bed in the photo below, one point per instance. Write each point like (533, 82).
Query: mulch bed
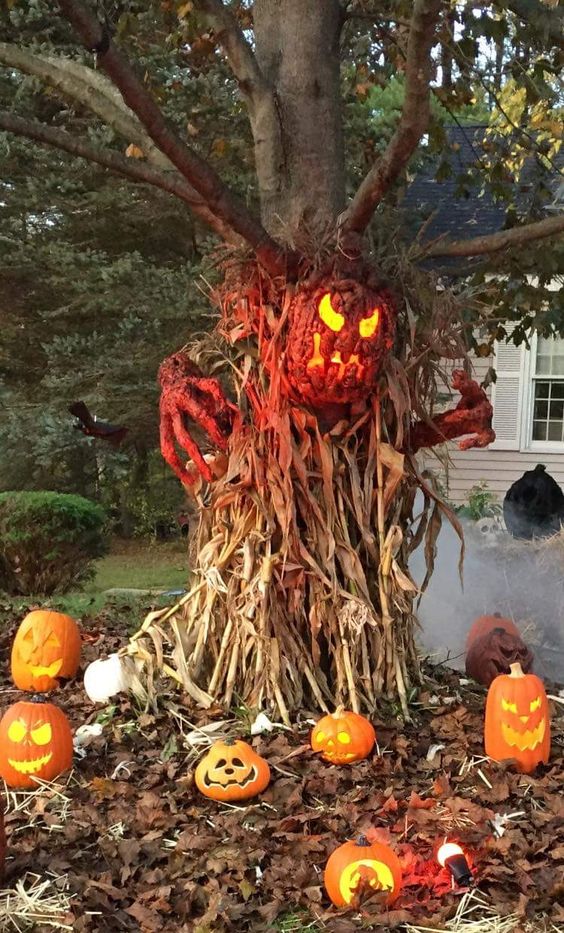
(136, 847)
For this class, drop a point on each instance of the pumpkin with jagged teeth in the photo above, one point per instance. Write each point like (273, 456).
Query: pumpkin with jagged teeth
(35, 743)
(46, 648)
(517, 725)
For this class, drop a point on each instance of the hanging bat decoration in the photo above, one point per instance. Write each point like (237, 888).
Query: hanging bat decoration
(91, 426)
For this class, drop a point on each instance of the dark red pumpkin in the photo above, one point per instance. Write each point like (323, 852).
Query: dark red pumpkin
(485, 624)
(340, 330)
(494, 653)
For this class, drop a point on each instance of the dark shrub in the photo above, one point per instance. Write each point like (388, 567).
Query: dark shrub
(48, 541)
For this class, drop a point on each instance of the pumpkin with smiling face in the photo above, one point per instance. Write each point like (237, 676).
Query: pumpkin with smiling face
(517, 722)
(361, 864)
(231, 771)
(340, 330)
(46, 648)
(35, 742)
(343, 737)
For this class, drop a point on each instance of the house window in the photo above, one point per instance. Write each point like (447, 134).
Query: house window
(548, 390)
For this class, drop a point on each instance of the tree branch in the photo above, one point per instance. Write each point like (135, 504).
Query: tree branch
(220, 200)
(88, 88)
(413, 121)
(237, 50)
(547, 20)
(133, 169)
(493, 242)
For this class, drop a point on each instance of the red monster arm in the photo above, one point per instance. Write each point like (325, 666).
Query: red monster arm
(473, 415)
(185, 391)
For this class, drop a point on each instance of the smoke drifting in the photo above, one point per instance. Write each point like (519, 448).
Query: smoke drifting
(523, 580)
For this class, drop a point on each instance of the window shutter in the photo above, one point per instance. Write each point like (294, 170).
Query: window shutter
(507, 395)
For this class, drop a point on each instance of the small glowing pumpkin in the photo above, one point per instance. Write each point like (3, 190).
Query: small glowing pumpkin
(343, 737)
(46, 648)
(35, 742)
(359, 864)
(232, 771)
(517, 724)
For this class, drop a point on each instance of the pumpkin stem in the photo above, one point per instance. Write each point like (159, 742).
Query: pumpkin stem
(363, 841)
(338, 712)
(230, 740)
(37, 698)
(515, 670)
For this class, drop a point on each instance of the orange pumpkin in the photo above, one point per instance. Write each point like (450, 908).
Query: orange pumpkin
(517, 722)
(46, 647)
(483, 625)
(343, 737)
(355, 865)
(230, 771)
(35, 742)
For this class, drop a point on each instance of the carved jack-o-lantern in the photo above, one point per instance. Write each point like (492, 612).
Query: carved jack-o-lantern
(46, 647)
(494, 653)
(35, 742)
(518, 720)
(339, 332)
(232, 770)
(343, 737)
(355, 865)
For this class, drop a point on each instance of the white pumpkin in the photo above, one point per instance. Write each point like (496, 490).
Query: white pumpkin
(104, 678)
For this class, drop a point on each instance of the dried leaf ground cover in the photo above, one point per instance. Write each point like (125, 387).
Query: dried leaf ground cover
(126, 843)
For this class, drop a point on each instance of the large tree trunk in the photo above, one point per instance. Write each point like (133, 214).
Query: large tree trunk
(301, 175)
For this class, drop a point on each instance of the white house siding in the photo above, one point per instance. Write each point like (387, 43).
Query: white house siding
(496, 466)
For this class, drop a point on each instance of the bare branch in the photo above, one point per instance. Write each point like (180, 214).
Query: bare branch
(134, 169)
(88, 88)
(413, 121)
(221, 201)
(494, 242)
(237, 50)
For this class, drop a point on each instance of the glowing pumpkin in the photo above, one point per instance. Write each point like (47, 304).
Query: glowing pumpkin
(46, 648)
(357, 865)
(35, 742)
(231, 771)
(343, 737)
(340, 330)
(517, 722)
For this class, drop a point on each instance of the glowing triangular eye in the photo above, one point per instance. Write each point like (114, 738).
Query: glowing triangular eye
(369, 325)
(333, 319)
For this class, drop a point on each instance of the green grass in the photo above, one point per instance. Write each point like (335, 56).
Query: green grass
(143, 566)
(136, 565)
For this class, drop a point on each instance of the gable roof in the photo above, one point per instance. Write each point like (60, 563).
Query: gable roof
(456, 210)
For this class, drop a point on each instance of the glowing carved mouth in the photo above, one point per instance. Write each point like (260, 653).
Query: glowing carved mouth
(50, 671)
(252, 775)
(30, 767)
(524, 741)
(318, 360)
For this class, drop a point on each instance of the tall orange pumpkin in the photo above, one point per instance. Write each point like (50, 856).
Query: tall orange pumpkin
(35, 742)
(517, 722)
(46, 648)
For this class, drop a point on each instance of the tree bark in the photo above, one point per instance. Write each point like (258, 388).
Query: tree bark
(301, 178)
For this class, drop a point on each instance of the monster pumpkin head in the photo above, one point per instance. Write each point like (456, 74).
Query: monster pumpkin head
(230, 771)
(35, 742)
(494, 653)
(343, 737)
(339, 332)
(46, 647)
(361, 864)
(518, 720)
